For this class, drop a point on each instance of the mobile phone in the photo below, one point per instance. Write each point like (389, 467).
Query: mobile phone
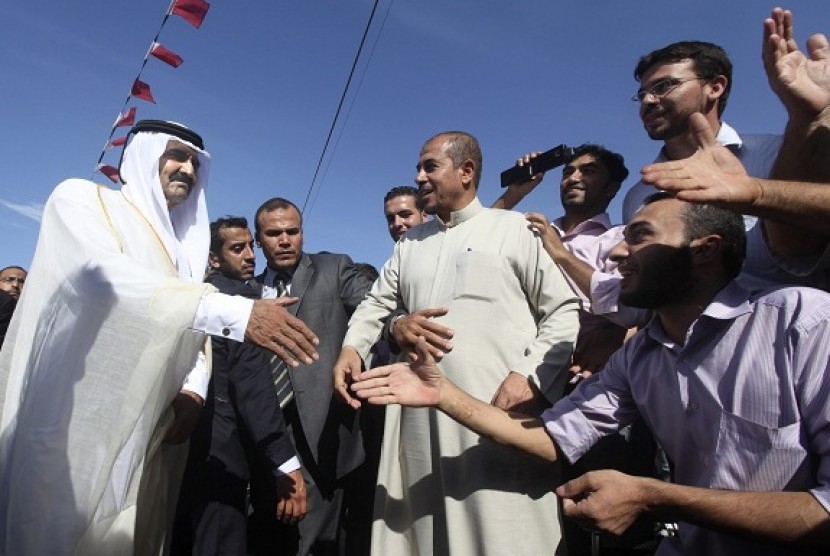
(548, 160)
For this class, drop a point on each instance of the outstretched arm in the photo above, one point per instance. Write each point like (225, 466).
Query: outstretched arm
(422, 384)
(714, 175)
(610, 501)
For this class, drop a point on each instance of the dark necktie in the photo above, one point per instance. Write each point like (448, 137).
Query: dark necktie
(279, 369)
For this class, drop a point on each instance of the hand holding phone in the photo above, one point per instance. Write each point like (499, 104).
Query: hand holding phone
(548, 160)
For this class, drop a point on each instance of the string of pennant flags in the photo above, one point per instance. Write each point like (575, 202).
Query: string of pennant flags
(192, 11)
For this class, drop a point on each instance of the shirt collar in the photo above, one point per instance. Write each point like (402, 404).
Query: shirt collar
(460, 216)
(727, 136)
(601, 220)
(272, 275)
(730, 302)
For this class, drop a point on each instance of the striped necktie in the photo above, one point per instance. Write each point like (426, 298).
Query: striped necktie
(282, 381)
(279, 369)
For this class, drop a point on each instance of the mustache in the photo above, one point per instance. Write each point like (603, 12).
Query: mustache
(181, 176)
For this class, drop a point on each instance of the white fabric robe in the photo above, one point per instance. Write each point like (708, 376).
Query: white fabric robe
(442, 489)
(98, 347)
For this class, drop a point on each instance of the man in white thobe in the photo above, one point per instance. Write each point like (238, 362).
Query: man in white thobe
(108, 333)
(482, 278)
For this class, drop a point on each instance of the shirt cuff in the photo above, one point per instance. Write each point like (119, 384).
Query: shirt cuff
(223, 315)
(197, 379)
(291, 465)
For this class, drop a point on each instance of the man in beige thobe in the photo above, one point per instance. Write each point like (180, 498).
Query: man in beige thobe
(497, 311)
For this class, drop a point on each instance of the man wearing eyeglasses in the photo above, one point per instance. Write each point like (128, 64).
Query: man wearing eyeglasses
(675, 82)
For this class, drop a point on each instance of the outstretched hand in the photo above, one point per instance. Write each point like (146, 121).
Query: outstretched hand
(802, 82)
(274, 328)
(416, 384)
(712, 175)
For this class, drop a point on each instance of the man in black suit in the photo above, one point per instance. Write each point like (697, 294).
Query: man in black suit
(325, 432)
(241, 425)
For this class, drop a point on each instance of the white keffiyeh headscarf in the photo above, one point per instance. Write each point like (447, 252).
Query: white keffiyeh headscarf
(184, 230)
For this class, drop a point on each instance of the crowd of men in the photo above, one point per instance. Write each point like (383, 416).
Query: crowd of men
(562, 386)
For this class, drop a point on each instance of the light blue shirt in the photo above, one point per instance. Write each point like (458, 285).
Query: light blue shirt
(743, 404)
(757, 152)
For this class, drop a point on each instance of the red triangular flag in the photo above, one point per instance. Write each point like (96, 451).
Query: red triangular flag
(166, 55)
(109, 171)
(125, 119)
(193, 11)
(142, 90)
(117, 142)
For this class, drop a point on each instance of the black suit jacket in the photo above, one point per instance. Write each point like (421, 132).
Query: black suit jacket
(329, 288)
(241, 411)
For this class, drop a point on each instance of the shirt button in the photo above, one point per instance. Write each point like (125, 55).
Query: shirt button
(226, 331)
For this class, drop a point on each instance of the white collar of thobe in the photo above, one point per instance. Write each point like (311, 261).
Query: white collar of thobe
(459, 216)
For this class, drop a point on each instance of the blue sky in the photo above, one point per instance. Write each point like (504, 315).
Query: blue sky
(261, 82)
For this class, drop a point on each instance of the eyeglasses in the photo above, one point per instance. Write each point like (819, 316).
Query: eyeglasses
(662, 88)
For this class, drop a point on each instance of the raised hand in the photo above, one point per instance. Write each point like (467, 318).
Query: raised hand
(802, 82)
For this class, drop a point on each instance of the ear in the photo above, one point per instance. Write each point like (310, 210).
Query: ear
(706, 250)
(717, 86)
(468, 173)
(213, 260)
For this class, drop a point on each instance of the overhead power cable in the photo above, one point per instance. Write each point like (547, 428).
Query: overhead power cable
(340, 105)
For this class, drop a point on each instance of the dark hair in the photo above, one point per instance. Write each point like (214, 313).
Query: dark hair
(461, 146)
(13, 266)
(275, 203)
(405, 191)
(613, 162)
(709, 61)
(367, 270)
(220, 224)
(702, 220)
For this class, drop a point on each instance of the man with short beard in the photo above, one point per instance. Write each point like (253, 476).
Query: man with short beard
(733, 385)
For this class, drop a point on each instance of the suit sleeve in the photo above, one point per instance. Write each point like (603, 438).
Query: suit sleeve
(252, 393)
(368, 319)
(354, 285)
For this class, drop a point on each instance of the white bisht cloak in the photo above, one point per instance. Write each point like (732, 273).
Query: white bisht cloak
(97, 349)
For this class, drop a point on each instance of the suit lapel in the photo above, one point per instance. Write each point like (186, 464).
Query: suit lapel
(299, 282)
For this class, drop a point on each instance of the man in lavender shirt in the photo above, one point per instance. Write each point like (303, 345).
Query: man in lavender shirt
(580, 240)
(733, 385)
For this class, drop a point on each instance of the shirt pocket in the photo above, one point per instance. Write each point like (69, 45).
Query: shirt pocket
(751, 456)
(481, 276)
